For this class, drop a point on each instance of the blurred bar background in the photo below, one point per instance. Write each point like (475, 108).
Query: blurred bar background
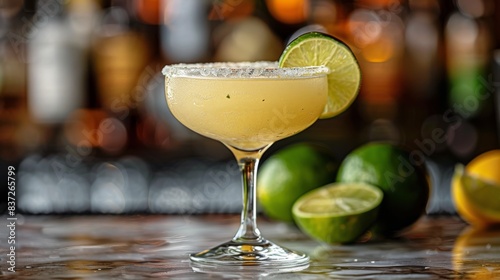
(84, 120)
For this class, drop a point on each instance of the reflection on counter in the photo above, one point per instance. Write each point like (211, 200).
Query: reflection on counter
(477, 249)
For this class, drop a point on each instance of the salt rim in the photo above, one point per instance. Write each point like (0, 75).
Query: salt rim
(260, 69)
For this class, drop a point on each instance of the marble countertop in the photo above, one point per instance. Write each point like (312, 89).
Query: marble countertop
(157, 246)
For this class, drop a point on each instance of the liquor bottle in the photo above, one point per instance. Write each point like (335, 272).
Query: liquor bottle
(376, 33)
(12, 104)
(468, 51)
(120, 55)
(422, 46)
(469, 54)
(56, 68)
(185, 33)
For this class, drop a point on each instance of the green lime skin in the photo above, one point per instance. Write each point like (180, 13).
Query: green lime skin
(338, 230)
(291, 172)
(405, 183)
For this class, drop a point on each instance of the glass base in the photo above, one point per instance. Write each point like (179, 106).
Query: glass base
(259, 255)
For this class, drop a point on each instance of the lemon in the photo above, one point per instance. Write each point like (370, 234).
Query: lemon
(289, 173)
(476, 188)
(338, 212)
(390, 168)
(476, 199)
(486, 166)
(319, 49)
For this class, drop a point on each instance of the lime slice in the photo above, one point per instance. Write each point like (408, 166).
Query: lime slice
(319, 49)
(338, 212)
(476, 199)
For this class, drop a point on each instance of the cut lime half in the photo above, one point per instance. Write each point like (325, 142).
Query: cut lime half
(319, 49)
(338, 212)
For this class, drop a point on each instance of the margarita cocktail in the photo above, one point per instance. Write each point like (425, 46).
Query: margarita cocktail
(250, 105)
(247, 110)
(247, 106)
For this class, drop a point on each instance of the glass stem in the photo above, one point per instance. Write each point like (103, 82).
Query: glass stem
(248, 162)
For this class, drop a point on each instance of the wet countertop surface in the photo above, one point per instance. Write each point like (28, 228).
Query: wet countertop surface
(144, 246)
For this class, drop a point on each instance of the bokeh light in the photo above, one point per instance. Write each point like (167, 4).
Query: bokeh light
(289, 11)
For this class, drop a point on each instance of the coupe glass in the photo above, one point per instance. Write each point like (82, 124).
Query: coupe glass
(246, 106)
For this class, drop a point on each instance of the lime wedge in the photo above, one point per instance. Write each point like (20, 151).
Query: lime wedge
(338, 212)
(319, 49)
(476, 199)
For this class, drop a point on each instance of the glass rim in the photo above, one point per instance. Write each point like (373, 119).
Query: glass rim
(259, 69)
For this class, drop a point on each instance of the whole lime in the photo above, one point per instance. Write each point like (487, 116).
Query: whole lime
(401, 177)
(291, 172)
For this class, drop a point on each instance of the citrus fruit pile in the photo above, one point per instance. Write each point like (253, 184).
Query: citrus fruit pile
(476, 190)
(377, 188)
(378, 185)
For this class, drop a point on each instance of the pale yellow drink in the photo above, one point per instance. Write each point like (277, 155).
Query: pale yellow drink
(247, 113)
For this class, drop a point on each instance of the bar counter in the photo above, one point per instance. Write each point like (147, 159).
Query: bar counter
(157, 246)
